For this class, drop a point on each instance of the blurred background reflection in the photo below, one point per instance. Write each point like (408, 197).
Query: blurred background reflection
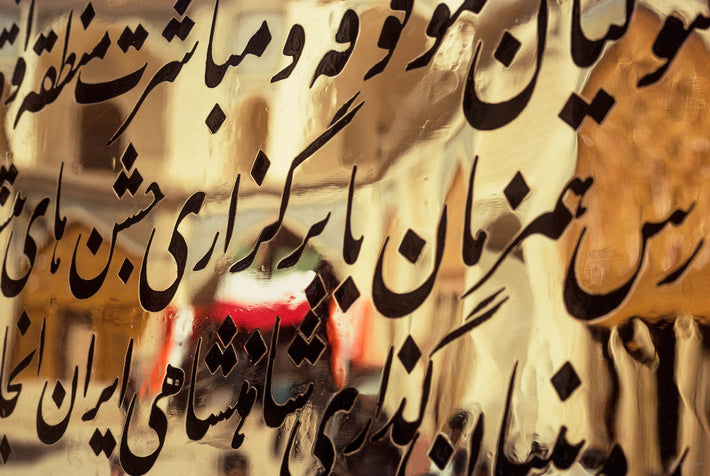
(274, 313)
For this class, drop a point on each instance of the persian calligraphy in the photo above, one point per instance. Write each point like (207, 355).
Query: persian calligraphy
(353, 238)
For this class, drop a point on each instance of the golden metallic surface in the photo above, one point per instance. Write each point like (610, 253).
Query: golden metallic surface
(394, 248)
